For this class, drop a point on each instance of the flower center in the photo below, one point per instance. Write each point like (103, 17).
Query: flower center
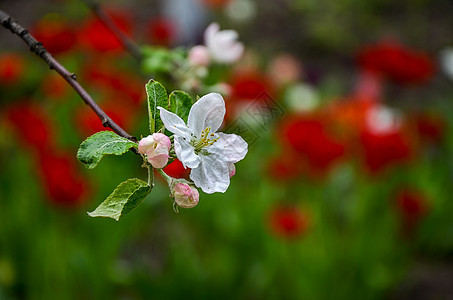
(206, 139)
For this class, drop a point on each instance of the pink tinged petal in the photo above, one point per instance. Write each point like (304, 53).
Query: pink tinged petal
(230, 147)
(186, 153)
(199, 56)
(223, 45)
(208, 111)
(145, 144)
(185, 195)
(174, 123)
(211, 175)
(231, 169)
(158, 161)
(156, 147)
(155, 142)
(162, 139)
(210, 33)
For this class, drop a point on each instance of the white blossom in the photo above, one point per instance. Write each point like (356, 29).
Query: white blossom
(199, 147)
(222, 44)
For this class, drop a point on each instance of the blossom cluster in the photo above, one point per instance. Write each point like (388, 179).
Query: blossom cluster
(209, 154)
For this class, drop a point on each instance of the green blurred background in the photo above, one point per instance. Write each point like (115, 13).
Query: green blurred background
(346, 192)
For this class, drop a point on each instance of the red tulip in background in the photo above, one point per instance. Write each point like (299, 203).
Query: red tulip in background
(397, 63)
(286, 166)
(309, 138)
(246, 87)
(383, 150)
(98, 37)
(411, 207)
(61, 179)
(250, 85)
(11, 68)
(288, 222)
(430, 128)
(349, 115)
(161, 32)
(88, 123)
(55, 87)
(55, 33)
(104, 76)
(368, 87)
(31, 124)
(59, 174)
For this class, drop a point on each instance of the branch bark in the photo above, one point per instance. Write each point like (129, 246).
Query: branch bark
(127, 42)
(37, 48)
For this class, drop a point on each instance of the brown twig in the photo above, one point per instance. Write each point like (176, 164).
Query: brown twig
(37, 48)
(127, 42)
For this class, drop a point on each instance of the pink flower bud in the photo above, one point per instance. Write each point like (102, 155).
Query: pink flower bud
(231, 169)
(185, 195)
(155, 147)
(199, 56)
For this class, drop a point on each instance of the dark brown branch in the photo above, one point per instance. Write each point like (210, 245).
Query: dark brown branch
(37, 48)
(127, 42)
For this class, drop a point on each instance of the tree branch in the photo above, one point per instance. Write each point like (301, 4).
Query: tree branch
(37, 48)
(127, 42)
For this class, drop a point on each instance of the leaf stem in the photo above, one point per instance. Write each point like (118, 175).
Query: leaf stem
(151, 176)
(165, 176)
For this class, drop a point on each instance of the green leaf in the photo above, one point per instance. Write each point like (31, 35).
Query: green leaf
(180, 104)
(127, 196)
(93, 149)
(157, 96)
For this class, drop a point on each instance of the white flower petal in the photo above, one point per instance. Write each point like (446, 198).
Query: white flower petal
(185, 153)
(210, 33)
(208, 111)
(227, 36)
(212, 175)
(174, 123)
(231, 147)
(222, 44)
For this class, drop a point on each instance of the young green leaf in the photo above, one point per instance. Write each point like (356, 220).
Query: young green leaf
(157, 96)
(127, 196)
(93, 149)
(180, 104)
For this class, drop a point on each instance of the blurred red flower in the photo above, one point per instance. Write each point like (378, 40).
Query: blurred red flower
(411, 206)
(96, 36)
(397, 63)
(175, 169)
(55, 33)
(249, 85)
(31, 124)
(11, 68)
(430, 128)
(288, 222)
(349, 115)
(382, 150)
(55, 87)
(88, 123)
(161, 32)
(62, 181)
(368, 87)
(122, 84)
(309, 137)
(285, 167)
